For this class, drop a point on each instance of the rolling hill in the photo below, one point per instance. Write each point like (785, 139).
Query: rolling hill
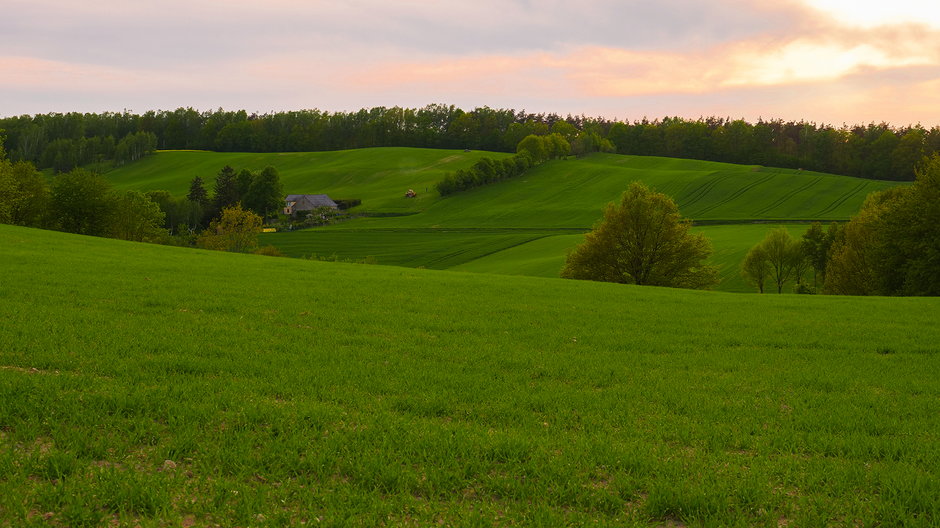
(377, 176)
(523, 225)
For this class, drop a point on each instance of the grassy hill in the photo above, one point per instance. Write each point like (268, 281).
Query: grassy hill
(572, 193)
(158, 386)
(377, 176)
(520, 226)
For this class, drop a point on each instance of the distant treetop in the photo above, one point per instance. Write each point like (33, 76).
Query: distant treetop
(66, 141)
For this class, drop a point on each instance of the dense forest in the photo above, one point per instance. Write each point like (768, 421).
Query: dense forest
(65, 141)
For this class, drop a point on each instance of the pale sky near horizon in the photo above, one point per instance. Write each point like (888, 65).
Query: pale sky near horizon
(826, 61)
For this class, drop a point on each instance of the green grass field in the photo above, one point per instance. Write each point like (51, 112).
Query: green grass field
(544, 257)
(377, 176)
(157, 386)
(429, 248)
(523, 226)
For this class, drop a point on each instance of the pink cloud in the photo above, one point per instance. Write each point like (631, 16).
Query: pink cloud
(813, 66)
(41, 74)
(616, 72)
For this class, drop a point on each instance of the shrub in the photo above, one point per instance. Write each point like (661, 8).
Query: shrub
(269, 251)
(347, 203)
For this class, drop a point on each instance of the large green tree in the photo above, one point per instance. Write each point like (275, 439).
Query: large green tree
(197, 192)
(243, 182)
(225, 194)
(892, 246)
(197, 209)
(136, 217)
(779, 257)
(24, 194)
(82, 203)
(643, 240)
(265, 194)
(755, 267)
(535, 147)
(815, 244)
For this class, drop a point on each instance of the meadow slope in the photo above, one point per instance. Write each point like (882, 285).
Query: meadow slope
(377, 176)
(524, 225)
(159, 386)
(545, 256)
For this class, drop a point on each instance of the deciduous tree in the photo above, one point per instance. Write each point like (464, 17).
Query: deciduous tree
(535, 147)
(815, 244)
(24, 194)
(755, 267)
(892, 246)
(782, 253)
(136, 217)
(82, 203)
(643, 240)
(236, 230)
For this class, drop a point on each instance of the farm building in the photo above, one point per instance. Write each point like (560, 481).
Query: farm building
(306, 202)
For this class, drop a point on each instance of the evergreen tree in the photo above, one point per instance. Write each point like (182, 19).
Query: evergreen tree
(197, 192)
(225, 194)
(265, 194)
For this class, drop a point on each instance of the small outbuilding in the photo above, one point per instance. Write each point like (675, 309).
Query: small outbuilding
(307, 202)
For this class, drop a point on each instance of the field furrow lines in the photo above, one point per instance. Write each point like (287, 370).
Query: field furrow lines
(699, 192)
(786, 197)
(733, 195)
(841, 200)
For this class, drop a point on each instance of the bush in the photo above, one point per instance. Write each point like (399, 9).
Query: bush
(236, 230)
(269, 251)
(319, 216)
(347, 203)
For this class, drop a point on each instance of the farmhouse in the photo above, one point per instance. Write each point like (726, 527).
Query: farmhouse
(307, 202)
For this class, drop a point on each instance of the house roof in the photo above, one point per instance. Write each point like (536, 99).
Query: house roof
(308, 202)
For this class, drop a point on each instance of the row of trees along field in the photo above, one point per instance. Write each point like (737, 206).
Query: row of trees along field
(891, 247)
(532, 151)
(66, 141)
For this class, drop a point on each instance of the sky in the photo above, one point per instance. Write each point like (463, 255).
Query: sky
(825, 61)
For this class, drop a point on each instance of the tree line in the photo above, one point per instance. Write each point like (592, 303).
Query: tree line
(65, 154)
(531, 151)
(78, 201)
(84, 202)
(891, 247)
(65, 141)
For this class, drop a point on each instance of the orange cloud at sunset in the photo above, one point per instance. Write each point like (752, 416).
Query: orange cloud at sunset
(824, 60)
(867, 13)
(612, 72)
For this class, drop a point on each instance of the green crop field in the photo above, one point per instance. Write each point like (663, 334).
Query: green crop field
(431, 248)
(523, 226)
(377, 176)
(544, 257)
(157, 386)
